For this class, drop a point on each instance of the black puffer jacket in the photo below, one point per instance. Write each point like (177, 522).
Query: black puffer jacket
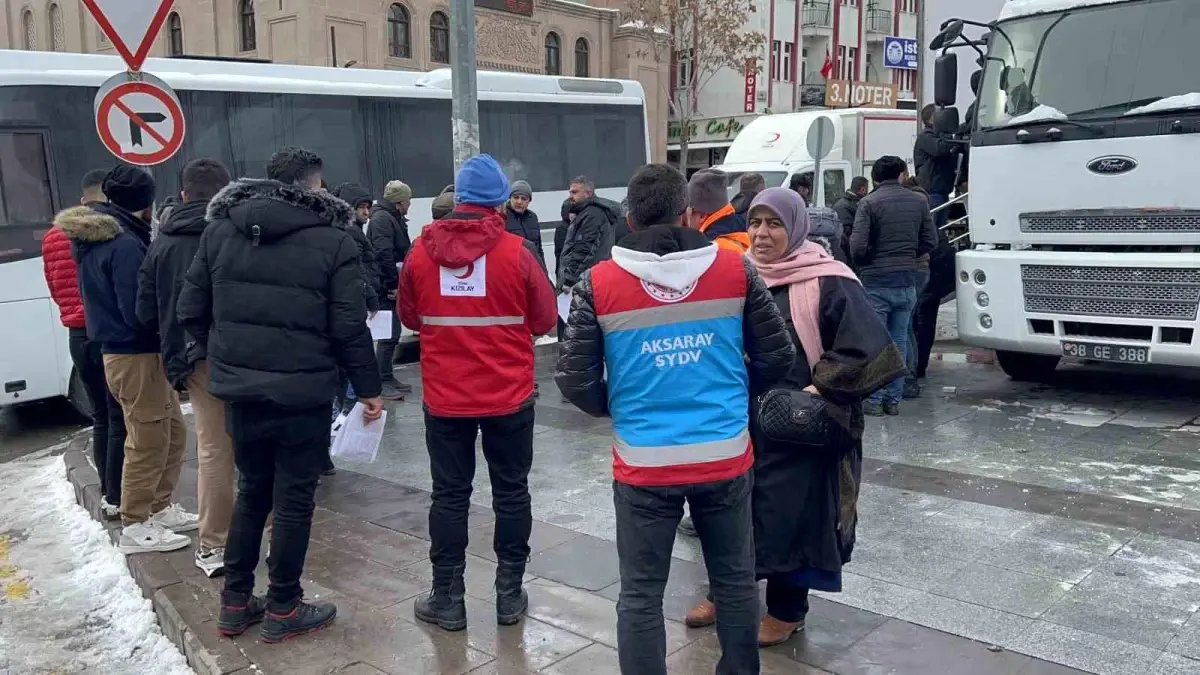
(891, 230)
(590, 238)
(354, 195)
(275, 295)
(388, 233)
(769, 349)
(160, 280)
(526, 225)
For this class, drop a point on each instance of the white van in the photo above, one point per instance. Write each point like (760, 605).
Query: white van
(776, 147)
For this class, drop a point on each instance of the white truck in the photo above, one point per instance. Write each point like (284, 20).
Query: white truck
(1084, 221)
(776, 147)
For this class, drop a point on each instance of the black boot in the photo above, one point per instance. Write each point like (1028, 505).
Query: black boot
(239, 611)
(285, 622)
(511, 599)
(445, 604)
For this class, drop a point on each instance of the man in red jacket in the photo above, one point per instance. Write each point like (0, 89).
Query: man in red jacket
(476, 294)
(108, 422)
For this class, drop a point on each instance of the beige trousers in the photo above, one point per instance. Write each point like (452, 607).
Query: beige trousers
(216, 487)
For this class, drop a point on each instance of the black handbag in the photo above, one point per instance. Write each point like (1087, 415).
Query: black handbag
(800, 418)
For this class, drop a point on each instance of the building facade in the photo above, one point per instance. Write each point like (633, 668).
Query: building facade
(807, 40)
(555, 37)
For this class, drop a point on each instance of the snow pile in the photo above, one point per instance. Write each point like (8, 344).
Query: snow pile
(75, 608)
(1181, 102)
(1042, 113)
(1018, 8)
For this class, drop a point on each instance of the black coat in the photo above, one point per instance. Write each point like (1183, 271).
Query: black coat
(741, 202)
(388, 233)
(527, 225)
(936, 161)
(590, 238)
(892, 229)
(275, 296)
(354, 195)
(109, 245)
(769, 351)
(847, 208)
(161, 278)
(805, 502)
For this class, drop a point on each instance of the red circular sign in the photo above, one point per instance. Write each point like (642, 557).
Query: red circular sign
(112, 104)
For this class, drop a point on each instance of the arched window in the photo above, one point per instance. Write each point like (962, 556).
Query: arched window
(175, 34)
(399, 45)
(553, 54)
(247, 25)
(582, 58)
(30, 41)
(439, 38)
(58, 41)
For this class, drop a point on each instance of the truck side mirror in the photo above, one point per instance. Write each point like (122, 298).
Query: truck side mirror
(946, 120)
(945, 79)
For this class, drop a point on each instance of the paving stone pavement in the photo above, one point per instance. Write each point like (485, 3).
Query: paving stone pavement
(1055, 525)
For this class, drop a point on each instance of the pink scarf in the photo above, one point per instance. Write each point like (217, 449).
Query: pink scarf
(801, 271)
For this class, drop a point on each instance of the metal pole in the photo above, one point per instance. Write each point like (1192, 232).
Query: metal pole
(818, 180)
(922, 52)
(464, 110)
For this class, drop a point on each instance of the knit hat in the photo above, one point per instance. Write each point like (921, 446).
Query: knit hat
(129, 187)
(443, 205)
(707, 191)
(481, 182)
(396, 191)
(521, 188)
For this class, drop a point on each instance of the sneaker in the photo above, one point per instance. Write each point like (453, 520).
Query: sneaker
(402, 387)
(391, 392)
(239, 611)
(175, 519)
(873, 409)
(211, 562)
(912, 389)
(149, 537)
(687, 528)
(286, 622)
(891, 409)
(109, 511)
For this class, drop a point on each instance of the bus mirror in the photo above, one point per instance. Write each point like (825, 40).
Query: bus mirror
(946, 121)
(945, 79)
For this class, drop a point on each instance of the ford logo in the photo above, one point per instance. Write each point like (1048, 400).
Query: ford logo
(1113, 165)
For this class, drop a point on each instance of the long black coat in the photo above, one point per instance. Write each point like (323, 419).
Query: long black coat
(388, 233)
(805, 503)
(275, 295)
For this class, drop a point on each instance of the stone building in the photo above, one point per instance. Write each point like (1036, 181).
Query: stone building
(557, 37)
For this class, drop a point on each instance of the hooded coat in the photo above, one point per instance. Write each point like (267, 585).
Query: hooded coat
(275, 297)
(109, 244)
(590, 237)
(160, 280)
(475, 293)
(62, 278)
(388, 233)
(354, 195)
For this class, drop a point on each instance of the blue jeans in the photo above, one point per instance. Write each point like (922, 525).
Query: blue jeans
(941, 217)
(895, 307)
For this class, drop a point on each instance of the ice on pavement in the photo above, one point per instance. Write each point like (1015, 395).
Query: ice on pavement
(67, 602)
(1017, 8)
(1181, 102)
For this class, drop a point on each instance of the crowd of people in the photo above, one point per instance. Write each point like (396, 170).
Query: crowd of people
(736, 343)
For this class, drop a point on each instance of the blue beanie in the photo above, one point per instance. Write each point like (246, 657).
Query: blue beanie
(481, 182)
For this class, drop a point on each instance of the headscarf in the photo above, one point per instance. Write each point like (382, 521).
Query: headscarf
(790, 208)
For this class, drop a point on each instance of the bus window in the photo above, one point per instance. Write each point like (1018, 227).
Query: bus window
(25, 194)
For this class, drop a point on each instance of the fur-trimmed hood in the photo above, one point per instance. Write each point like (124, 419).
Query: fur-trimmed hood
(267, 210)
(82, 224)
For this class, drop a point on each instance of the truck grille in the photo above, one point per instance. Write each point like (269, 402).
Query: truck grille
(1131, 292)
(1111, 221)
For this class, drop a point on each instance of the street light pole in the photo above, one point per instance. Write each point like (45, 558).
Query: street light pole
(922, 53)
(464, 110)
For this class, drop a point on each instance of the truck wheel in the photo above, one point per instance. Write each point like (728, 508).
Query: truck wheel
(77, 395)
(1027, 367)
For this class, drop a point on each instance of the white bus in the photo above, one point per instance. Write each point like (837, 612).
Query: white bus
(369, 126)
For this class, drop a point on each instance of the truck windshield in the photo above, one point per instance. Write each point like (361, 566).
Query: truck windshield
(1089, 63)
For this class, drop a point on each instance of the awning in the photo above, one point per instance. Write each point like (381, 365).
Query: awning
(703, 145)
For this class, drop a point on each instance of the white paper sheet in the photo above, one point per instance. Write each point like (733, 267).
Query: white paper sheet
(358, 441)
(381, 326)
(564, 304)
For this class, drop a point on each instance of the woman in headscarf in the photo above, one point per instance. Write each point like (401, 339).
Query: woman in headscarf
(805, 502)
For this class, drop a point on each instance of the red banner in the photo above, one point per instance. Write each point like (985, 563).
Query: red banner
(751, 84)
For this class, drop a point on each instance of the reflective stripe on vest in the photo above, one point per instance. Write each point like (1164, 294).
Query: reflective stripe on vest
(669, 314)
(675, 455)
(472, 320)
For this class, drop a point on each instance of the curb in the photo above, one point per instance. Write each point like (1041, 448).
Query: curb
(173, 600)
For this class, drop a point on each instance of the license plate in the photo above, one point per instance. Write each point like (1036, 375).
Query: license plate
(1102, 352)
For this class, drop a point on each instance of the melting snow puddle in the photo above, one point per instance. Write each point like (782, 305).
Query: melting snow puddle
(68, 602)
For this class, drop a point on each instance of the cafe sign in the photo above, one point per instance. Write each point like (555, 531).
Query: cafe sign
(715, 129)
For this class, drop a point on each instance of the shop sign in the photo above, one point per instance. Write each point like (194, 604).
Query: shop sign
(708, 130)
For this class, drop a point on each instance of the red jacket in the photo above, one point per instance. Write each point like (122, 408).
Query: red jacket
(476, 294)
(62, 278)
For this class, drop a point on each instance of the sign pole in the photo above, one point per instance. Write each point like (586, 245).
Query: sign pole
(921, 51)
(464, 87)
(818, 183)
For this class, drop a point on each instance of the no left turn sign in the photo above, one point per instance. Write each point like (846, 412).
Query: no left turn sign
(139, 120)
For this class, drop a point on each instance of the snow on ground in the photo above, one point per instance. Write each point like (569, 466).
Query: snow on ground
(67, 602)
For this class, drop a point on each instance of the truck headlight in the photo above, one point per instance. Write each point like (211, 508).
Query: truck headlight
(982, 298)
(985, 320)
(980, 277)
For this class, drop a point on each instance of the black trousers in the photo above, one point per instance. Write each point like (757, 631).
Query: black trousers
(108, 421)
(941, 283)
(279, 454)
(385, 350)
(508, 449)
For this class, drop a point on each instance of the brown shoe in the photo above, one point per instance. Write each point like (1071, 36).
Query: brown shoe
(772, 631)
(703, 614)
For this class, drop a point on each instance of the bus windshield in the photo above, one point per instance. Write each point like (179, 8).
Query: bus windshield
(1090, 63)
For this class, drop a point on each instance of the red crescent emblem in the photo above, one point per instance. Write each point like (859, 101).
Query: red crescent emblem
(468, 273)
